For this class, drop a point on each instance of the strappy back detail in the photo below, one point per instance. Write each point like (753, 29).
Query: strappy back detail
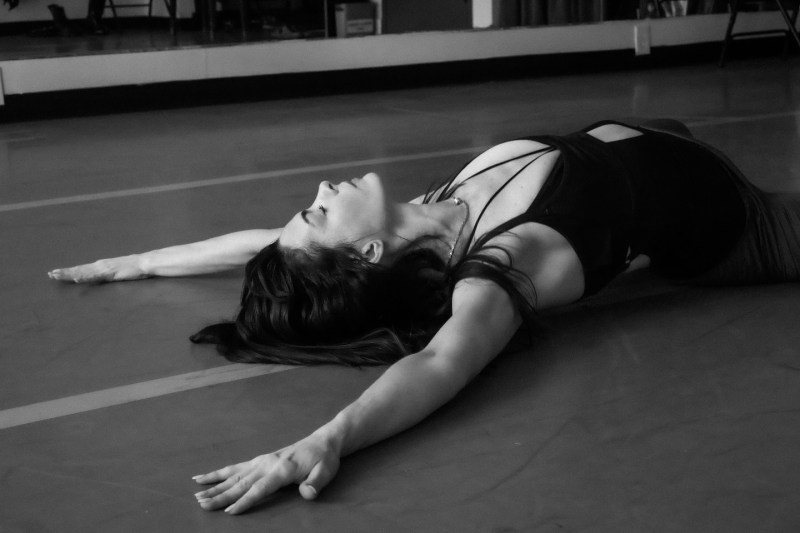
(659, 194)
(448, 190)
(570, 206)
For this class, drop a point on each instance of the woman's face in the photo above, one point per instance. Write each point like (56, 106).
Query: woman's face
(349, 212)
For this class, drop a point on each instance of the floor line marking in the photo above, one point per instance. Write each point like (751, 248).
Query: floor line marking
(695, 122)
(90, 401)
(699, 122)
(270, 174)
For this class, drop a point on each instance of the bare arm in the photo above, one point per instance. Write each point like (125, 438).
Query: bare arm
(483, 321)
(202, 257)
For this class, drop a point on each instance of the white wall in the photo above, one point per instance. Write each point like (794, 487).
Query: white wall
(482, 13)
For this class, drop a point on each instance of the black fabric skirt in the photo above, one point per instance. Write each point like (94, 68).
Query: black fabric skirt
(768, 250)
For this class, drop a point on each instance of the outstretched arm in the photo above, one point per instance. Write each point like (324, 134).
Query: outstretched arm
(483, 322)
(203, 257)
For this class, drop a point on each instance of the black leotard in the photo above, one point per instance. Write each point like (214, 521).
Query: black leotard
(670, 198)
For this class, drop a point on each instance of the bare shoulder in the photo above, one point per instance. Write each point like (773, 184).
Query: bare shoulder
(546, 258)
(484, 316)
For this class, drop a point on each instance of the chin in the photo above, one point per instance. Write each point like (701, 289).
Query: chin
(371, 178)
(374, 185)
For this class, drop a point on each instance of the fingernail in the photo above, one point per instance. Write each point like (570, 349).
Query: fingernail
(228, 510)
(313, 490)
(203, 500)
(198, 495)
(197, 477)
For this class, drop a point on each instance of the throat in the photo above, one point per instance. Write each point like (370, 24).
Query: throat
(441, 227)
(459, 235)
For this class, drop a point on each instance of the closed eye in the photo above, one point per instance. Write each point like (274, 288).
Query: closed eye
(323, 209)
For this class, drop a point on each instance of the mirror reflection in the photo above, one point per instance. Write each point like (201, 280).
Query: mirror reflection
(191, 22)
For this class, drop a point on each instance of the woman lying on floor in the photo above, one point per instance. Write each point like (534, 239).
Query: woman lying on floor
(438, 286)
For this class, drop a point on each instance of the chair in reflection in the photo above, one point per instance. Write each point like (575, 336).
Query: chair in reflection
(790, 19)
(170, 4)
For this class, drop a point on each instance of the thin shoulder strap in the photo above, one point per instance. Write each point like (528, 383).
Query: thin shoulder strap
(522, 217)
(503, 186)
(447, 190)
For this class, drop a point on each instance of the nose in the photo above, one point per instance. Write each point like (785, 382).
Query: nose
(326, 187)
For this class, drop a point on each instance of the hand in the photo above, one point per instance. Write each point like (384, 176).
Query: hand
(115, 269)
(311, 463)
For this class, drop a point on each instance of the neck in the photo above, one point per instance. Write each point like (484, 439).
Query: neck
(438, 223)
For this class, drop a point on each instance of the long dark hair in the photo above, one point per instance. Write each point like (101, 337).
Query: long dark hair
(330, 305)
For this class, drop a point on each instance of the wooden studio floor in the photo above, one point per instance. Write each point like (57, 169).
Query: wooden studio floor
(650, 407)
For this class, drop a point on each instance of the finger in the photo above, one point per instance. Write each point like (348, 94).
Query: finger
(83, 274)
(60, 274)
(317, 480)
(257, 492)
(74, 275)
(219, 489)
(225, 499)
(216, 476)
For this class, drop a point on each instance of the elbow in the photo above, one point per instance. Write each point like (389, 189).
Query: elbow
(455, 371)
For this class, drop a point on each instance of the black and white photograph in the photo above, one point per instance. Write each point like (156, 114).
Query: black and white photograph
(399, 266)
